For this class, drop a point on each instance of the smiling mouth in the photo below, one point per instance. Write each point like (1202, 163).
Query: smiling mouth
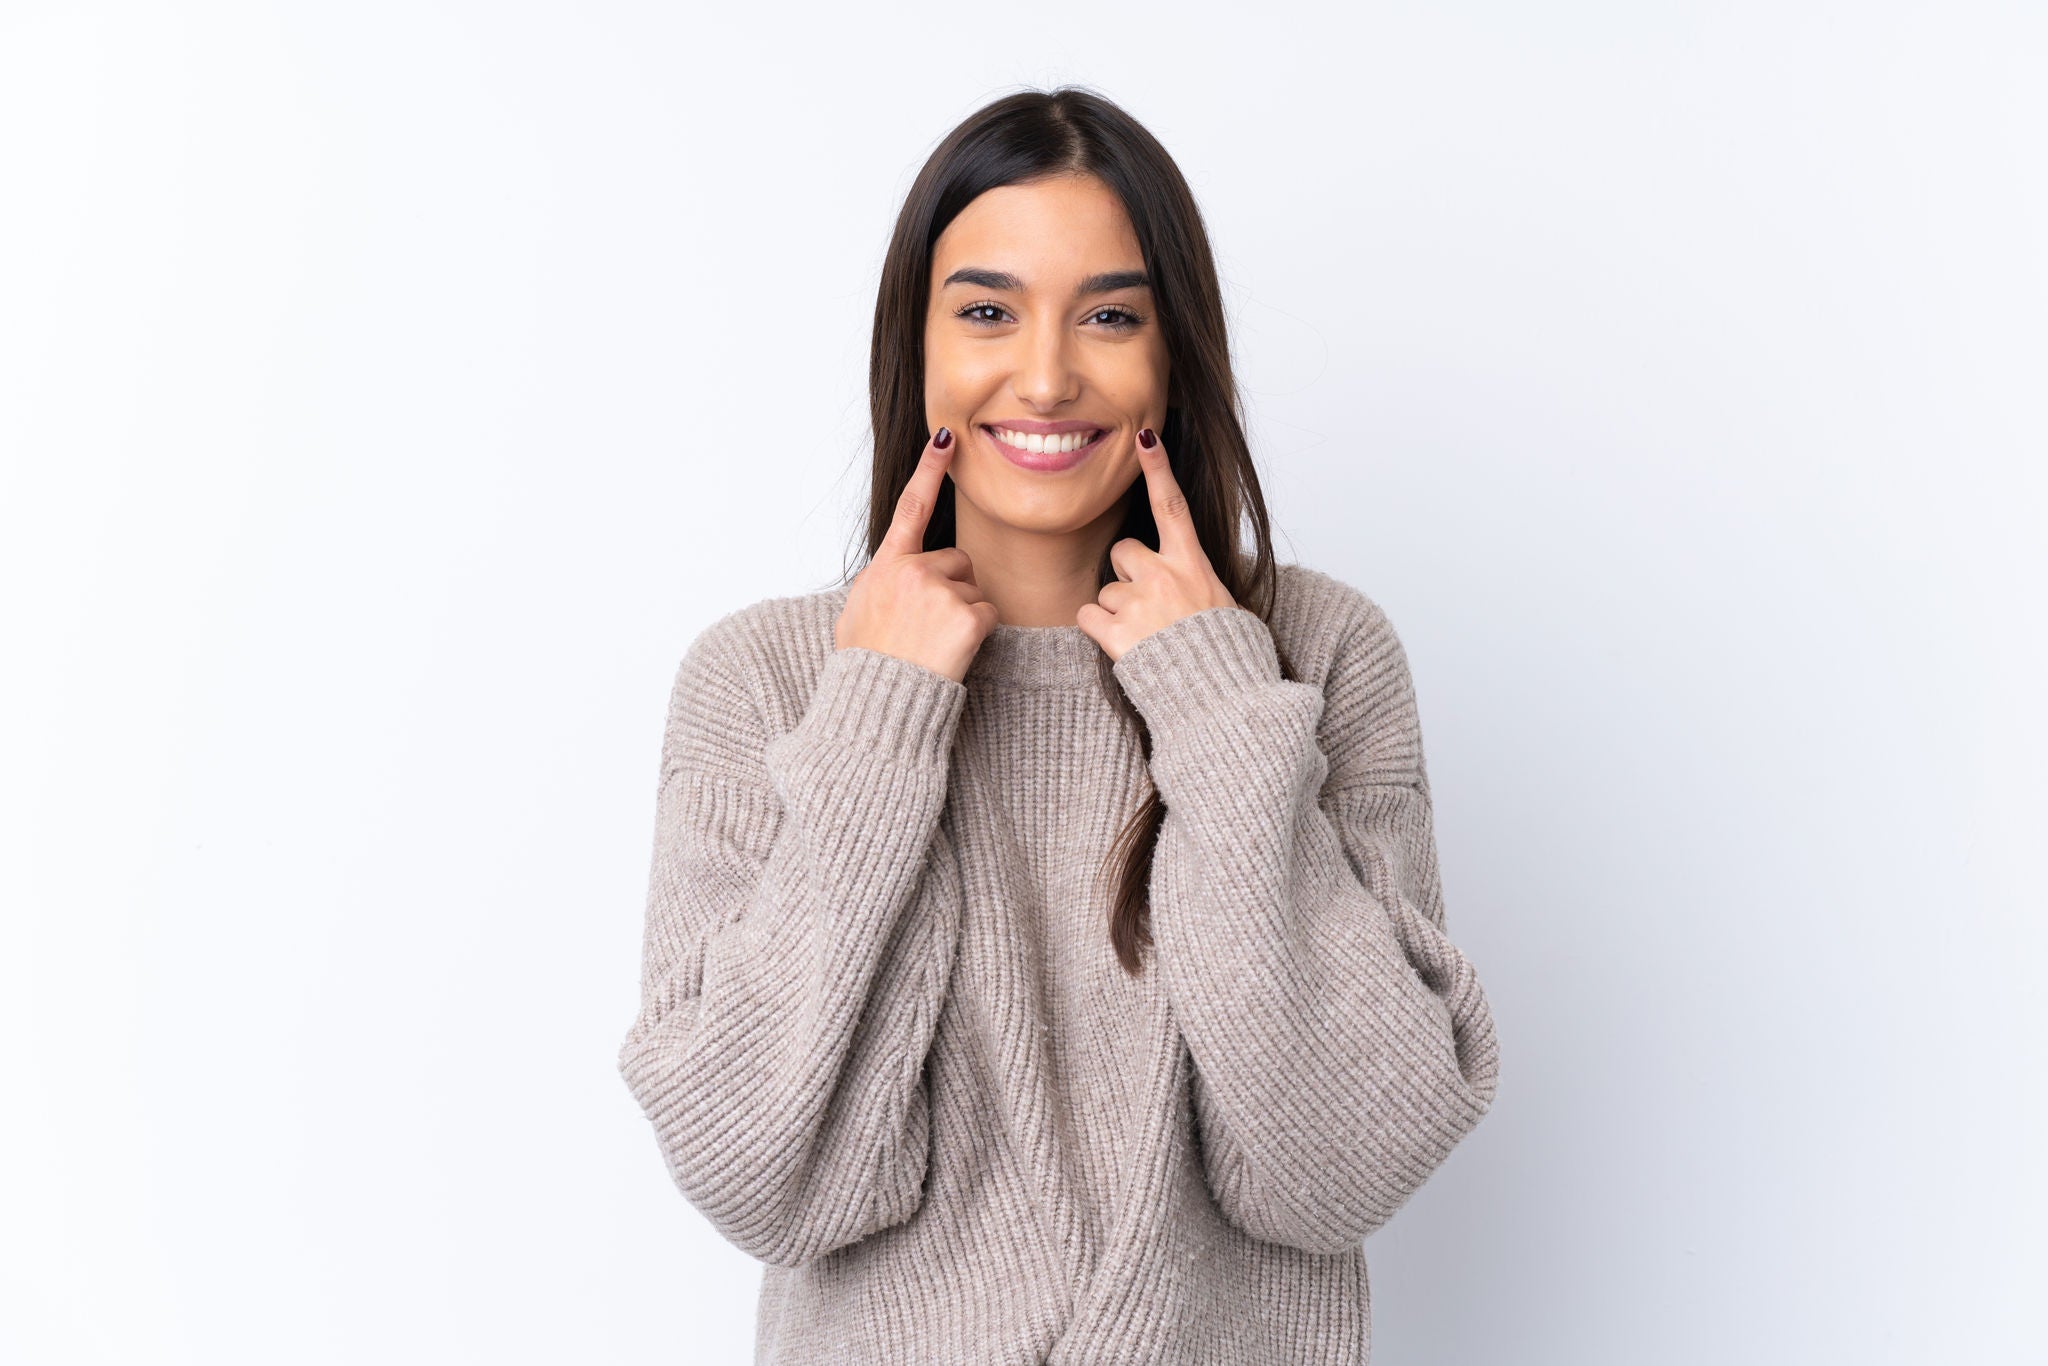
(1059, 443)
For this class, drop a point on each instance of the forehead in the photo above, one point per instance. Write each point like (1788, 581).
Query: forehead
(1049, 232)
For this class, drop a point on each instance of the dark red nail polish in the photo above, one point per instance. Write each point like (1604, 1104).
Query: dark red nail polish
(944, 438)
(1147, 439)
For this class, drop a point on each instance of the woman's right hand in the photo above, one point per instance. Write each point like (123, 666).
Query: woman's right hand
(920, 605)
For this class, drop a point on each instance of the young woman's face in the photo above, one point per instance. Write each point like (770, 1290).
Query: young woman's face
(1040, 315)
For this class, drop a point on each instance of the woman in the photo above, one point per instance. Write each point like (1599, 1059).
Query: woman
(1045, 957)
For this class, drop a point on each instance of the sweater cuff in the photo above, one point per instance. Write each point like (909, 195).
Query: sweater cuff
(901, 708)
(1196, 661)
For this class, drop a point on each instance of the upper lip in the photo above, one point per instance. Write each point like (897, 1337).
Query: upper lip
(1048, 428)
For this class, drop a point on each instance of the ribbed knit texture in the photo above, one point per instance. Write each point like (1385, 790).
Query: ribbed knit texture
(886, 1047)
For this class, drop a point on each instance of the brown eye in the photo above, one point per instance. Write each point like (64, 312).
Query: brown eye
(971, 310)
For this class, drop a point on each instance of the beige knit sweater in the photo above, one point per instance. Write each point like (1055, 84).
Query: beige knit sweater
(887, 1049)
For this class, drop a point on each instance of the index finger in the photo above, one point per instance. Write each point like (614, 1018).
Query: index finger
(914, 505)
(1169, 505)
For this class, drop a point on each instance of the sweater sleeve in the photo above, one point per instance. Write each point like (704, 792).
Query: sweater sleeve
(793, 961)
(1342, 1044)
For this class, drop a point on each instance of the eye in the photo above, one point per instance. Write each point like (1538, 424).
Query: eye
(973, 309)
(1125, 318)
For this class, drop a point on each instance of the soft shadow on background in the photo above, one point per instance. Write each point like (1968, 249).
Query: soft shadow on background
(389, 393)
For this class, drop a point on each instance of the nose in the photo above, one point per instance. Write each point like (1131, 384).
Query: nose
(1046, 376)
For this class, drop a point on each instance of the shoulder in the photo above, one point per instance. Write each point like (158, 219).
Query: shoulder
(1325, 623)
(1338, 638)
(767, 654)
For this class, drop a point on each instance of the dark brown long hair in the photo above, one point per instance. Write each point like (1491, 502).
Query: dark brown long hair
(1030, 136)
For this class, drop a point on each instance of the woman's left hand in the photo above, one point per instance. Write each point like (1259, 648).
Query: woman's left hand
(1154, 588)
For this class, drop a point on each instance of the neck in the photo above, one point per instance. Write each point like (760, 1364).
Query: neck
(1035, 578)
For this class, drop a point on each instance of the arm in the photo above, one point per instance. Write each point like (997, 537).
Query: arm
(1342, 1045)
(793, 962)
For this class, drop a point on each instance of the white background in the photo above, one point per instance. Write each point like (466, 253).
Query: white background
(389, 393)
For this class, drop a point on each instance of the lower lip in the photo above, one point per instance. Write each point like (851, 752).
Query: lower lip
(1044, 460)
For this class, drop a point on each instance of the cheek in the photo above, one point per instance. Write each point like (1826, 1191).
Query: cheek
(936, 367)
(953, 380)
(1138, 380)
(1157, 372)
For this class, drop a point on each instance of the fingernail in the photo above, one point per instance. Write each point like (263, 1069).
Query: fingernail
(944, 438)
(1147, 439)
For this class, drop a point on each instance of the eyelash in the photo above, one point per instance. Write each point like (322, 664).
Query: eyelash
(1132, 319)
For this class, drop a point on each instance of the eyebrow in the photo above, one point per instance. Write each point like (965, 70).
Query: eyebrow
(1101, 283)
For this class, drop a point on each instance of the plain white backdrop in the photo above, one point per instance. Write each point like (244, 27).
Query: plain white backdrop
(390, 392)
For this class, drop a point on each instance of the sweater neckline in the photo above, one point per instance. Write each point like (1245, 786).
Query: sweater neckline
(1033, 656)
(1044, 656)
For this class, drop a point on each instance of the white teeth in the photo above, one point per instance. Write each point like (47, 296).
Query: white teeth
(1028, 441)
